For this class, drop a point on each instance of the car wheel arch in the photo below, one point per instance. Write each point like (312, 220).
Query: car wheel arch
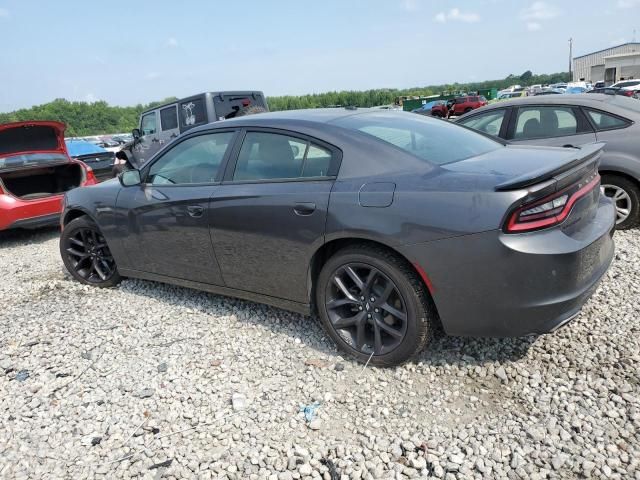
(328, 249)
(74, 213)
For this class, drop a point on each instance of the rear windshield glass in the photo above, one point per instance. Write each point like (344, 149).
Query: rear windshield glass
(228, 106)
(436, 141)
(31, 159)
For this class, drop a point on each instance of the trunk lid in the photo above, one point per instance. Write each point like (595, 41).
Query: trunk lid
(33, 143)
(519, 167)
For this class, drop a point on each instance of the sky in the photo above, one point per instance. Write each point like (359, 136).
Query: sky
(135, 52)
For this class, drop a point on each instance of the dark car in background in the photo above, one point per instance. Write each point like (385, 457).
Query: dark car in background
(160, 125)
(100, 160)
(571, 121)
(384, 223)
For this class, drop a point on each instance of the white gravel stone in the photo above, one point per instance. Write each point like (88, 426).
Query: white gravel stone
(214, 385)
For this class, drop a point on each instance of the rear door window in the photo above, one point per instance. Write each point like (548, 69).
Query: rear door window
(545, 122)
(169, 118)
(268, 156)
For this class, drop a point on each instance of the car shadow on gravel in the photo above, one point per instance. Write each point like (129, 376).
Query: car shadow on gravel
(14, 238)
(441, 350)
(444, 349)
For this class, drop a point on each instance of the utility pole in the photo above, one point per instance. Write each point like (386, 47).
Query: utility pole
(570, 58)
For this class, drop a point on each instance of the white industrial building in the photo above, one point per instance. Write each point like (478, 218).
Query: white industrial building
(611, 64)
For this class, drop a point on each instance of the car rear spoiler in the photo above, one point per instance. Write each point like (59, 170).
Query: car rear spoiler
(576, 157)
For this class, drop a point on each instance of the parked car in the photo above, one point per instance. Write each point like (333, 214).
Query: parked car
(569, 121)
(575, 90)
(100, 160)
(436, 108)
(626, 83)
(35, 172)
(379, 221)
(159, 125)
(550, 91)
(465, 104)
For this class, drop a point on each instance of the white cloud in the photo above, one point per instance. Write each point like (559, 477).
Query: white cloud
(90, 97)
(4, 13)
(172, 42)
(540, 11)
(628, 3)
(456, 15)
(410, 5)
(533, 26)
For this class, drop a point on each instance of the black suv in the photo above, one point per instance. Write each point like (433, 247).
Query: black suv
(160, 125)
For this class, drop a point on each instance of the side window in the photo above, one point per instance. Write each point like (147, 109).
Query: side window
(148, 124)
(192, 112)
(545, 122)
(195, 160)
(489, 122)
(169, 118)
(473, 99)
(604, 121)
(265, 156)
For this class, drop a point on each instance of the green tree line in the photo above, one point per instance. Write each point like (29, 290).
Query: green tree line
(96, 118)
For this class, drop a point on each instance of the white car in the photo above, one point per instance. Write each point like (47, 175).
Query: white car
(626, 83)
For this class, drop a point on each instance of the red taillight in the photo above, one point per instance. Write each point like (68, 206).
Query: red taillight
(628, 93)
(89, 176)
(549, 211)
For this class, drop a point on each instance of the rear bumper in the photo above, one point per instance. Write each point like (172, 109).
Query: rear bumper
(16, 213)
(504, 285)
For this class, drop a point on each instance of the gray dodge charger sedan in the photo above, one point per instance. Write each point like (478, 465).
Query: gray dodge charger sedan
(382, 223)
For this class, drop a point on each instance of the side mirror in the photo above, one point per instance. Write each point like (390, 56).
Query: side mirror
(130, 178)
(136, 133)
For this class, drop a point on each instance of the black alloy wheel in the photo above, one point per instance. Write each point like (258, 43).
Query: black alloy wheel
(366, 308)
(86, 254)
(373, 305)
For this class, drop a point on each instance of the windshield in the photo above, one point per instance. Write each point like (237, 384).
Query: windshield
(435, 141)
(31, 159)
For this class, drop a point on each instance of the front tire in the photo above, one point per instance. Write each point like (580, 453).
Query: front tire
(371, 301)
(86, 255)
(626, 196)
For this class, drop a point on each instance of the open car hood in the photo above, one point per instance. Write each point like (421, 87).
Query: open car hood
(21, 138)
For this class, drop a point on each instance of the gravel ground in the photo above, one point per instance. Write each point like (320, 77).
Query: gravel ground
(155, 381)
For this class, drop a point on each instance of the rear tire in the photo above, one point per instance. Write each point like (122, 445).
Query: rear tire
(626, 196)
(467, 110)
(86, 255)
(395, 327)
(252, 110)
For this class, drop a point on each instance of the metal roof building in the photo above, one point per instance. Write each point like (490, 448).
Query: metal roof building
(610, 64)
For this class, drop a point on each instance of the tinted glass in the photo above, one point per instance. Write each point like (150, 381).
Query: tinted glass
(192, 112)
(545, 122)
(431, 140)
(265, 156)
(489, 122)
(149, 124)
(602, 121)
(317, 162)
(169, 118)
(195, 160)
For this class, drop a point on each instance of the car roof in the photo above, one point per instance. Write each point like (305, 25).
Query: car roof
(594, 100)
(318, 116)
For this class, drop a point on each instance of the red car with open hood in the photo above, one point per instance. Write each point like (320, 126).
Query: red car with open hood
(35, 173)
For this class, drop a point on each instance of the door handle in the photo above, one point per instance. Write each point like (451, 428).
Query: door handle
(155, 140)
(173, 135)
(304, 208)
(195, 211)
(568, 145)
